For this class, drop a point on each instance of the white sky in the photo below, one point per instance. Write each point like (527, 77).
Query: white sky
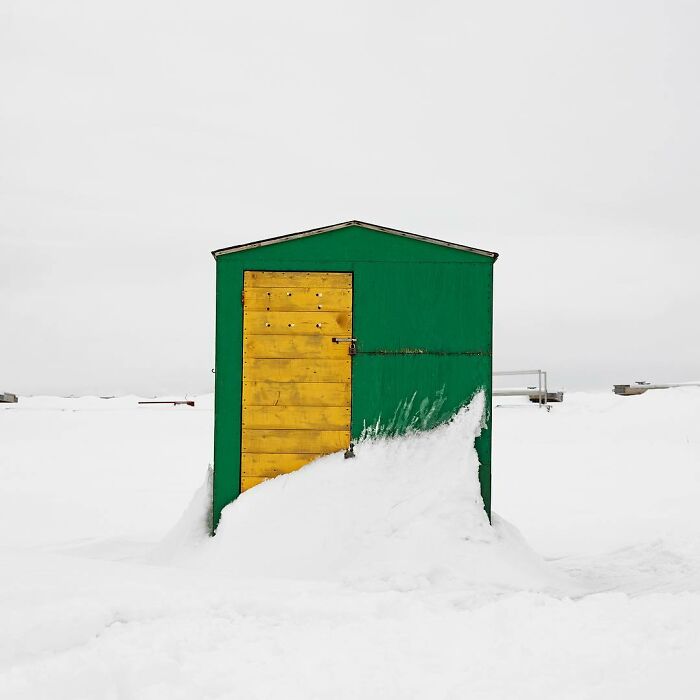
(135, 137)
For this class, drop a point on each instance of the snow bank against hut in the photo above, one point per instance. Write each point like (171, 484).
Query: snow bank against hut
(406, 513)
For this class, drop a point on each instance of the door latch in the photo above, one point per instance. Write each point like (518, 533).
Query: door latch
(352, 350)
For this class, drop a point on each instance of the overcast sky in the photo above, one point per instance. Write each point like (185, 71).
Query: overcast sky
(135, 137)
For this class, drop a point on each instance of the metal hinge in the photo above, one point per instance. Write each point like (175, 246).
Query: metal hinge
(242, 298)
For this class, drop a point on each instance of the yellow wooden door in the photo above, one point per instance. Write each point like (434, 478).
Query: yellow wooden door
(296, 380)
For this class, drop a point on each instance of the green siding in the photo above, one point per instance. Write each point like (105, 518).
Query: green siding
(422, 317)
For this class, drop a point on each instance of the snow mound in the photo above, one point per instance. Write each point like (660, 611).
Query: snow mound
(405, 514)
(193, 526)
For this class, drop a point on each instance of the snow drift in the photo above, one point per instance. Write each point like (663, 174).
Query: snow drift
(406, 513)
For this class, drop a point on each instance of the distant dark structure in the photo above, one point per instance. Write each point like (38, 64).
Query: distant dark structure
(642, 387)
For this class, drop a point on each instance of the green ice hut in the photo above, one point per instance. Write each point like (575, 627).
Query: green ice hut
(327, 334)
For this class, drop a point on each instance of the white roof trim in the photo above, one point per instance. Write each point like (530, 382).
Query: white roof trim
(346, 224)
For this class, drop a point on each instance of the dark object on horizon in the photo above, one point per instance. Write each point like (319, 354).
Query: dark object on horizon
(551, 396)
(642, 387)
(186, 402)
(6, 397)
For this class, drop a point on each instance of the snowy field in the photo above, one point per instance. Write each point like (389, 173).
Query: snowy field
(377, 577)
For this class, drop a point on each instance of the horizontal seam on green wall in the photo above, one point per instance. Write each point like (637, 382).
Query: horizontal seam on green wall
(418, 351)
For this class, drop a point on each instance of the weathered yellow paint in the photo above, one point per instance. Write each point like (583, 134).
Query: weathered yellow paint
(303, 370)
(248, 482)
(296, 381)
(299, 441)
(333, 323)
(301, 417)
(298, 299)
(296, 394)
(293, 346)
(261, 464)
(333, 280)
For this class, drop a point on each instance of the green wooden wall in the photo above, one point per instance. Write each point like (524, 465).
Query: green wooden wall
(422, 316)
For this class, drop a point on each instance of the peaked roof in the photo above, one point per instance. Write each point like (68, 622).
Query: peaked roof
(346, 224)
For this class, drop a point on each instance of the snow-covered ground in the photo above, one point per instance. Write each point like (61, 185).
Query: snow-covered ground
(377, 577)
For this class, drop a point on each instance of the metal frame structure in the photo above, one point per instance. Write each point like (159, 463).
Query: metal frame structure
(541, 383)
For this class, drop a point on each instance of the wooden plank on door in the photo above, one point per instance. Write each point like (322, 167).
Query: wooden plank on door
(331, 323)
(298, 299)
(333, 280)
(267, 393)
